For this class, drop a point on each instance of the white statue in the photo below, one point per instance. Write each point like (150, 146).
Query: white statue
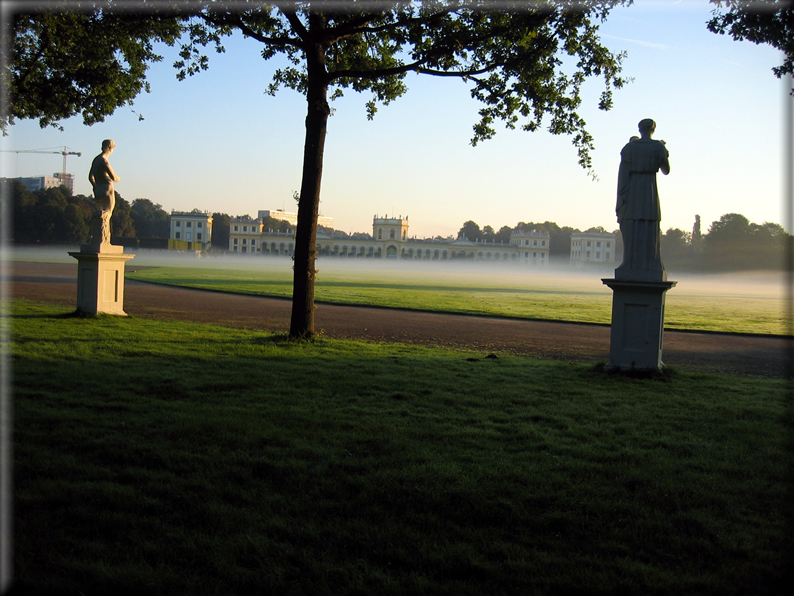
(638, 207)
(102, 178)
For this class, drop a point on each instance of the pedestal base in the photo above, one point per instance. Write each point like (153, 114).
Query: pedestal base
(100, 279)
(637, 324)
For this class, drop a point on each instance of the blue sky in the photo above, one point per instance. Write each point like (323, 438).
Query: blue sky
(216, 142)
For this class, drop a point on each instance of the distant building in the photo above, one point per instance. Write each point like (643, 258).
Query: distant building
(57, 179)
(245, 234)
(589, 248)
(533, 247)
(292, 218)
(191, 227)
(390, 241)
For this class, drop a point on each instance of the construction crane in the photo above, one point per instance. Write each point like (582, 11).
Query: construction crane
(64, 152)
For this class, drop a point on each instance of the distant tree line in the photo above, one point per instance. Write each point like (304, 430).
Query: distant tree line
(732, 243)
(55, 216)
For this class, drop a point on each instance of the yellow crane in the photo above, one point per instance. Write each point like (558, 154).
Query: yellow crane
(63, 152)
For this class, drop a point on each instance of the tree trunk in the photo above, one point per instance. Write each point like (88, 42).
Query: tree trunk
(302, 321)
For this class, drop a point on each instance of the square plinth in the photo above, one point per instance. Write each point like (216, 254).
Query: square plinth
(100, 279)
(637, 324)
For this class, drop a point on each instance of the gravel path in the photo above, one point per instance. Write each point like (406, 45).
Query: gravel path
(712, 352)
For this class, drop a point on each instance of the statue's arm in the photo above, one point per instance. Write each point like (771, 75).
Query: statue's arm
(623, 180)
(665, 166)
(111, 173)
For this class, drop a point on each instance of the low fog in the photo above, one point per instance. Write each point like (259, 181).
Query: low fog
(755, 284)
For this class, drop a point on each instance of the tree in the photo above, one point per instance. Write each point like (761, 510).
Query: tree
(676, 248)
(503, 235)
(470, 231)
(150, 219)
(696, 234)
(734, 243)
(522, 65)
(220, 230)
(89, 63)
(760, 22)
(121, 224)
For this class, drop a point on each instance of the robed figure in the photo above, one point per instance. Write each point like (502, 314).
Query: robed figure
(638, 209)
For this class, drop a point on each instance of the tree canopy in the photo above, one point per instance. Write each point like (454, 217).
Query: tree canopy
(770, 22)
(89, 63)
(525, 62)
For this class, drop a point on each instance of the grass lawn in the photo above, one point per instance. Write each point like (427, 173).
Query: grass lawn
(746, 304)
(172, 458)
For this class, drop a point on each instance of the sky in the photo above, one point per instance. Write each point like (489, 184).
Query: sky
(218, 143)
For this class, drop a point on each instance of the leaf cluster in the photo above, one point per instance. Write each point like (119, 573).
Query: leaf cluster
(89, 62)
(770, 22)
(523, 61)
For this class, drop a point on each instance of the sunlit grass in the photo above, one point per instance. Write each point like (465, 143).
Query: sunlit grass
(163, 457)
(702, 304)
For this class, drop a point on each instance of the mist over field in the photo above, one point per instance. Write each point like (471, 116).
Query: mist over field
(752, 284)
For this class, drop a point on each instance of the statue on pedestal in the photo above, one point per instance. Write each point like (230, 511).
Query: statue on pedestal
(102, 178)
(638, 209)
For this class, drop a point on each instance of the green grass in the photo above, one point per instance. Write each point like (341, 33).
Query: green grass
(163, 457)
(750, 304)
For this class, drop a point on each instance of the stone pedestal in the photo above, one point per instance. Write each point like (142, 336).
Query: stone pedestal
(100, 279)
(637, 324)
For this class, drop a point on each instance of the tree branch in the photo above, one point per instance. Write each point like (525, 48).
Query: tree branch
(237, 22)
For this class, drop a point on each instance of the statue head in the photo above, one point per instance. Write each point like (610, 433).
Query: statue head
(108, 145)
(646, 127)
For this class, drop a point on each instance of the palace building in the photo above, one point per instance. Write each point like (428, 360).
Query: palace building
(589, 248)
(390, 240)
(191, 227)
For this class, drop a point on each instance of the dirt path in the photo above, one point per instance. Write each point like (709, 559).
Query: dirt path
(728, 353)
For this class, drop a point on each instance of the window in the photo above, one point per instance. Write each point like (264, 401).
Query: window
(543, 243)
(253, 242)
(179, 224)
(245, 228)
(380, 234)
(189, 224)
(236, 228)
(534, 243)
(198, 236)
(391, 234)
(609, 245)
(588, 243)
(598, 244)
(598, 255)
(245, 241)
(177, 235)
(235, 240)
(198, 225)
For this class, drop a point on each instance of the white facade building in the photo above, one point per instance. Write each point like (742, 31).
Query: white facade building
(592, 248)
(390, 241)
(192, 227)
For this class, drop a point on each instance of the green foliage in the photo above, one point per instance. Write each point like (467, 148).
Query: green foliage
(150, 219)
(88, 63)
(121, 223)
(220, 231)
(224, 461)
(760, 22)
(514, 60)
(470, 231)
(734, 243)
(277, 225)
